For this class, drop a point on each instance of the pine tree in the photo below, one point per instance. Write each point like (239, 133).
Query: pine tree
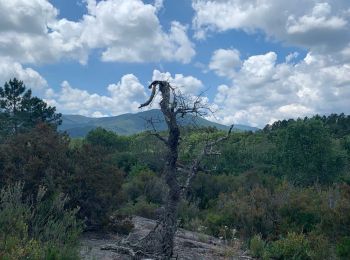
(20, 111)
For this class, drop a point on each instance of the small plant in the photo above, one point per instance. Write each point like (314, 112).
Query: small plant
(257, 246)
(40, 228)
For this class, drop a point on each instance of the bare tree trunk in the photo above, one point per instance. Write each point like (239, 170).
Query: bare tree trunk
(160, 241)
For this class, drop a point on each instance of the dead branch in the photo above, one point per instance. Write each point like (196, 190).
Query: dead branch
(206, 151)
(155, 132)
(197, 107)
(153, 86)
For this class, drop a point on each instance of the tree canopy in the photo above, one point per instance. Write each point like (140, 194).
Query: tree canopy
(20, 111)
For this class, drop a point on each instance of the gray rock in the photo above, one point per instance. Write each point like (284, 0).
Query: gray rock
(188, 245)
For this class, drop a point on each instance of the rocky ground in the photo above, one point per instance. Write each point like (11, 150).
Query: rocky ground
(188, 245)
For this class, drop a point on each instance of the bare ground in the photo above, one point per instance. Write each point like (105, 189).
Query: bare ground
(188, 245)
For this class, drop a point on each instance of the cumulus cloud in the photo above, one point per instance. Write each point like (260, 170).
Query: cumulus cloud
(31, 32)
(318, 25)
(225, 61)
(263, 90)
(134, 38)
(186, 84)
(10, 69)
(124, 97)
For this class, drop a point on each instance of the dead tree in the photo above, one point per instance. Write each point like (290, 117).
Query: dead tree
(160, 241)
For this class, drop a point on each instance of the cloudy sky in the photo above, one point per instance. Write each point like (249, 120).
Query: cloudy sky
(255, 60)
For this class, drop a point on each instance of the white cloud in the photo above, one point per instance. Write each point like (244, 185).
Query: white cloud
(124, 97)
(134, 38)
(158, 4)
(263, 91)
(26, 16)
(31, 78)
(225, 61)
(318, 19)
(186, 84)
(31, 32)
(318, 25)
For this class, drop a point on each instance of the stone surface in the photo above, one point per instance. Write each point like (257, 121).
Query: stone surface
(188, 245)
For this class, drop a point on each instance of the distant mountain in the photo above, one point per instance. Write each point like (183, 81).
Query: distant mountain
(127, 124)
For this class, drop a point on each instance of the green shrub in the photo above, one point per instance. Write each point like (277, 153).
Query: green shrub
(214, 223)
(257, 246)
(320, 247)
(141, 208)
(294, 246)
(144, 182)
(343, 248)
(40, 228)
(95, 185)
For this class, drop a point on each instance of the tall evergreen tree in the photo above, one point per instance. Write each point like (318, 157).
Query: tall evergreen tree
(20, 111)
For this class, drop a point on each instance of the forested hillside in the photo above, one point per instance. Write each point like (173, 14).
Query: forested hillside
(283, 190)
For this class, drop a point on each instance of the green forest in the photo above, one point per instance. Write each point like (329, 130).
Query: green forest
(283, 190)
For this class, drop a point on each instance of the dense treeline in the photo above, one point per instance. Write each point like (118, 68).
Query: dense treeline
(285, 190)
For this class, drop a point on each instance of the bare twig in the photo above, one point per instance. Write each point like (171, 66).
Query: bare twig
(155, 132)
(207, 150)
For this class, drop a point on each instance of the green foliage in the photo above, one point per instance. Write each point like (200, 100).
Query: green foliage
(343, 248)
(37, 157)
(320, 247)
(20, 111)
(144, 182)
(306, 154)
(95, 184)
(339, 125)
(293, 246)
(257, 246)
(42, 228)
(141, 207)
(107, 139)
(289, 183)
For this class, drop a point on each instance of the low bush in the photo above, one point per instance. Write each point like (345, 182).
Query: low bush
(37, 228)
(293, 246)
(257, 246)
(141, 208)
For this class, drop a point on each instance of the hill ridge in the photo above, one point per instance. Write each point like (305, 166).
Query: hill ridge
(133, 123)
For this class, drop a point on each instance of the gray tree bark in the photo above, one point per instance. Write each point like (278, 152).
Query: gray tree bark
(160, 241)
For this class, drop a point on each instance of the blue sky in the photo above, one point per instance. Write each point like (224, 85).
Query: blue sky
(257, 61)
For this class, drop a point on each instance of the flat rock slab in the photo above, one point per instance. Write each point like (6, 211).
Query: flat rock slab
(188, 245)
